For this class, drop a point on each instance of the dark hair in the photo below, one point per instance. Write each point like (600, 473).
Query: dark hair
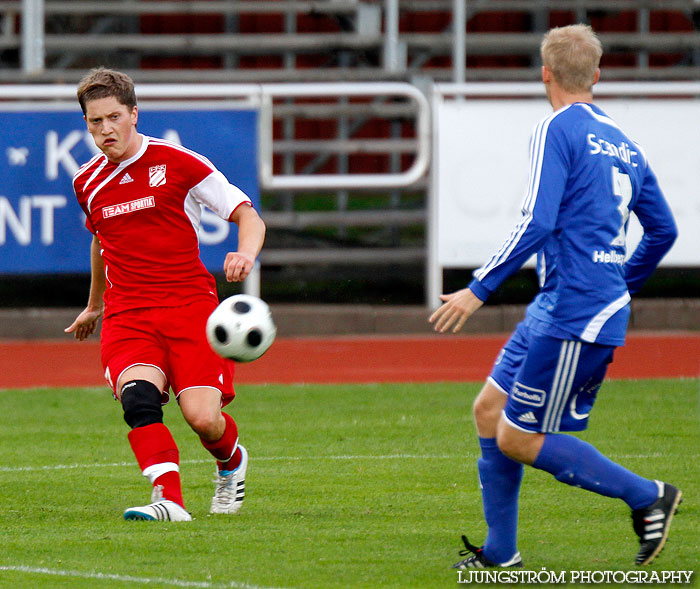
(102, 83)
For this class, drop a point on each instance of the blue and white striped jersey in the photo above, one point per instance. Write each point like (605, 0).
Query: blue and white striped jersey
(586, 176)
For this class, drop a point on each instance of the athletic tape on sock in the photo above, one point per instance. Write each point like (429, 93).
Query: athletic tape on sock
(156, 470)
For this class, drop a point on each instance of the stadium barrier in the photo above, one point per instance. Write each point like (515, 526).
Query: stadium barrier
(469, 127)
(391, 100)
(480, 163)
(307, 320)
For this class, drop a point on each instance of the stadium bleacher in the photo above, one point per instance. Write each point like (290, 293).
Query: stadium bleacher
(269, 40)
(262, 41)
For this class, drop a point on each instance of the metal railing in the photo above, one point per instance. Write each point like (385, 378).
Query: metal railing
(262, 96)
(420, 146)
(365, 28)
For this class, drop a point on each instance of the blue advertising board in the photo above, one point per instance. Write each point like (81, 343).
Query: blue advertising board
(42, 227)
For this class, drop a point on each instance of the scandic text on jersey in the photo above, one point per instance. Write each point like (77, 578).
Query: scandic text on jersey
(146, 202)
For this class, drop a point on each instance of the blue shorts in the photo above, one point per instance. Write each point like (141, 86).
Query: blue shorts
(551, 383)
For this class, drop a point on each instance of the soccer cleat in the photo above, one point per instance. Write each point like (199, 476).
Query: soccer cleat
(477, 560)
(230, 487)
(162, 511)
(652, 523)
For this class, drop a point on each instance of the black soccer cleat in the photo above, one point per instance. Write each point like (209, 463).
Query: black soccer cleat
(477, 560)
(652, 523)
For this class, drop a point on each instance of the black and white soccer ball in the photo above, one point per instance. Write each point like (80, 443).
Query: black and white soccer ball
(241, 328)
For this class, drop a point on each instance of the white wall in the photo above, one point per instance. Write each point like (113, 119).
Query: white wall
(481, 165)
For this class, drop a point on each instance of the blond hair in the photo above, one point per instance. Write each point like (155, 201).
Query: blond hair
(103, 83)
(572, 53)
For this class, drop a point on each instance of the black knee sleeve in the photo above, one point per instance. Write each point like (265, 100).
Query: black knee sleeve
(141, 403)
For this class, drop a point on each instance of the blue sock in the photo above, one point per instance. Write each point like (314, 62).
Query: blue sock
(577, 463)
(500, 486)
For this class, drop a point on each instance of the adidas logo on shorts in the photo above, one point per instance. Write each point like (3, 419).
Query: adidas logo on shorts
(528, 417)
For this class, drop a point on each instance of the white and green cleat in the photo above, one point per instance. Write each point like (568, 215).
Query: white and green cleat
(162, 511)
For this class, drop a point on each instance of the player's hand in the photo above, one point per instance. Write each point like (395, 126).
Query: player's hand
(458, 307)
(238, 266)
(85, 324)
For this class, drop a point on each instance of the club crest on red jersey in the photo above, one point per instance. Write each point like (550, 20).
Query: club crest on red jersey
(156, 175)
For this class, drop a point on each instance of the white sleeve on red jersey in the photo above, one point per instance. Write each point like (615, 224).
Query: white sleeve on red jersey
(218, 194)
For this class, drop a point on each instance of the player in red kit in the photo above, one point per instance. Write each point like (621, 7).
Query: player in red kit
(143, 199)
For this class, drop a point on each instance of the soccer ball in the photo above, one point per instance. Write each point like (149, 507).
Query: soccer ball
(241, 328)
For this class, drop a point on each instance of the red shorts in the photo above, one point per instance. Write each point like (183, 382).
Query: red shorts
(171, 339)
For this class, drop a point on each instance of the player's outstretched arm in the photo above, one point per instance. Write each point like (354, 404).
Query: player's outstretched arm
(455, 311)
(86, 322)
(251, 235)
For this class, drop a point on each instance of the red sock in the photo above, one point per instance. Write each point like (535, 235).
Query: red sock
(172, 489)
(159, 459)
(225, 450)
(233, 463)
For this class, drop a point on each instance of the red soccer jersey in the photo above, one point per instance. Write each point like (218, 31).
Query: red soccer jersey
(146, 213)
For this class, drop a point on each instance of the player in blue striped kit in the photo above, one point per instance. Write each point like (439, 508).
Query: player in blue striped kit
(586, 175)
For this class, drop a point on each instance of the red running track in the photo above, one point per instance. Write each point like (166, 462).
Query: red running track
(25, 364)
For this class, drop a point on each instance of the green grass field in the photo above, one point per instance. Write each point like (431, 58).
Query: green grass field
(348, 486)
